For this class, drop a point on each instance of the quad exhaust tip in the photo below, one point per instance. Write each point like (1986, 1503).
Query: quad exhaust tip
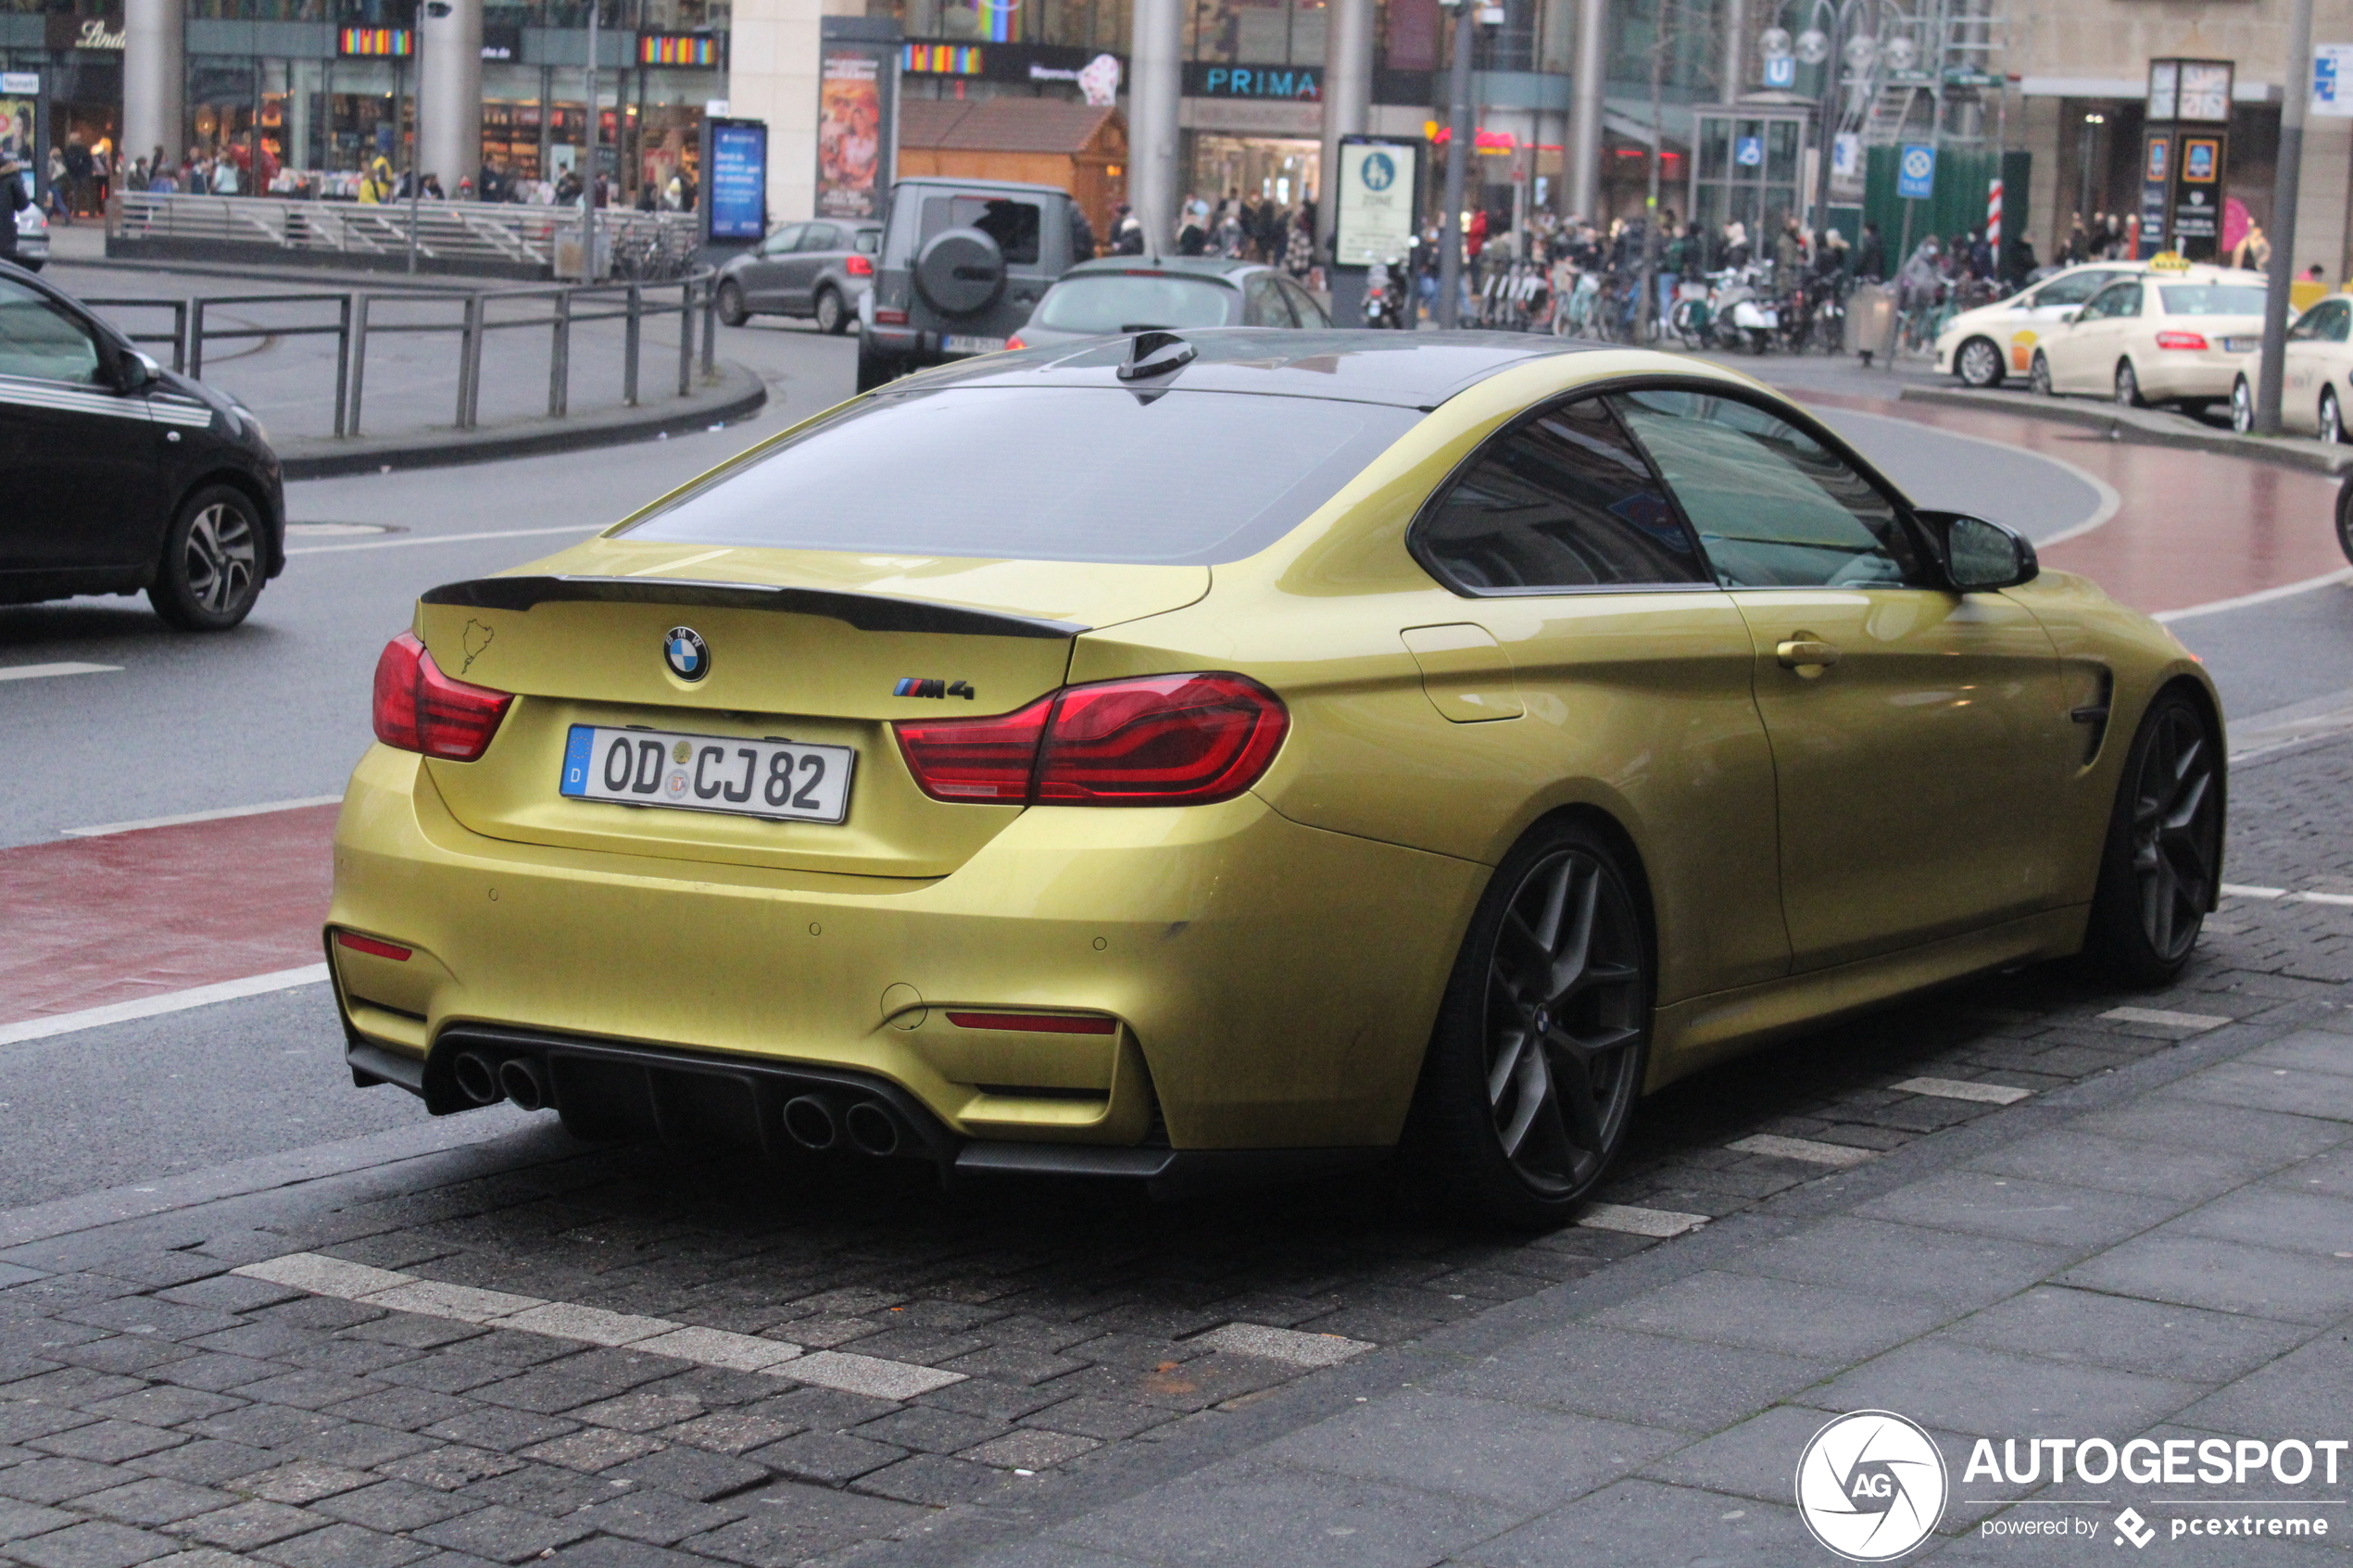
(872, 1129)
(811, 1122)
(523, 1083)
(478, 1078)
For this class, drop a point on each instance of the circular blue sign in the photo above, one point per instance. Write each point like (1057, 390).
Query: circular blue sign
(1380, 171)
(1918, 163)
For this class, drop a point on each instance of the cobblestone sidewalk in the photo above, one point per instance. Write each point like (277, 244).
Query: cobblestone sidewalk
(562, 1357)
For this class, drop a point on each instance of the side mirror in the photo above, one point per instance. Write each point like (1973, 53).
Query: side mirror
(138, 371)
(2068, 319)
(1980, 557)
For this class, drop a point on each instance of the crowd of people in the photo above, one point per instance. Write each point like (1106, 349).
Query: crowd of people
(1238, 226)
(82, 177)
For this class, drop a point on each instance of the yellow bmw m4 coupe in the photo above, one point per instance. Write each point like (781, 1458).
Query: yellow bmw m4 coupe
(1187, 758)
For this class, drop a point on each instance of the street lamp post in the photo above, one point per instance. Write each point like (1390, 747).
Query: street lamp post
(1459, 136)
(588, 179)
(2272, 376)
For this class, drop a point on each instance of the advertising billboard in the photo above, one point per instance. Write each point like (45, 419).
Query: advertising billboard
(737, 199)
(857, 92)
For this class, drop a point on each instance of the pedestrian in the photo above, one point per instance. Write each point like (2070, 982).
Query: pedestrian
(12, 200)
(60, 211)
(2313, 274)
(1871, 257)
(1126, 232)
(1789, 257)
(2253, 249)
(1192, 237)
(1298, 250)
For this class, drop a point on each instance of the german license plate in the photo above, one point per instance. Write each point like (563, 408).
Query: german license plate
(786, 781)
(958, 343)
(2240, 345)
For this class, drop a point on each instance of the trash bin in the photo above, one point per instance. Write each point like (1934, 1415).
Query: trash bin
(1870, 320)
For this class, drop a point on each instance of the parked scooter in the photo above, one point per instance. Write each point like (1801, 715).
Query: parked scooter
(1387, 302)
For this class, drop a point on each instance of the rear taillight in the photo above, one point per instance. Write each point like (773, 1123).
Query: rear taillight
(418, 709)
(890, 318)
(1165, 740)
(857, 267)
(2180, 340)
(1015, 342)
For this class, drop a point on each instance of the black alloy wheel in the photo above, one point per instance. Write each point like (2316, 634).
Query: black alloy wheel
(2345, 517)
(730, 304)
(2128, 385)
(1979, 363)
(2038, 375)
(211, 569)
(2162, 864)
(1544, 1034)
(831, 318)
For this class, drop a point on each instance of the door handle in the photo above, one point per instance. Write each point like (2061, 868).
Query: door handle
(1807, 655)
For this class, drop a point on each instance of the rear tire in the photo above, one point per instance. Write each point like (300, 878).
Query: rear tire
(832, 320)
(2242, 407)
(211, 569)
(2331, 419)
(731, 305)
(2161, 866)
(874, 370)
(1545, 1033)
(2038, 376)
(2345, 517)
(2128, 386)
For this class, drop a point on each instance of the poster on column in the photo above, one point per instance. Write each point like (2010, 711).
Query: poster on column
(21, 126)
(737, 201)
(1379, 181)
(856, 86)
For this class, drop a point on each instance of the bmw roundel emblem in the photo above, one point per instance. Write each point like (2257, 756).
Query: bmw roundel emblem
(687, 654)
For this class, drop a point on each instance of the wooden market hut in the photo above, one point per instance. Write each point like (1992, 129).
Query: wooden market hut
(1044, 140)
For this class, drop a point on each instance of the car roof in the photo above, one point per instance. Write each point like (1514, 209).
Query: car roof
(1189, 266)
(1354, 365)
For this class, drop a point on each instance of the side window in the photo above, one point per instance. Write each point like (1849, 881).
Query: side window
(783, 240)
(820, 236)
(869, 241)
(2326, 323)
(1563, 500)
(1013, 224)
(1774, 508)
(1262, 304)
(2074, 290)
(1303, 305)
(40, 340)
(2334, 330)
(2124, 299)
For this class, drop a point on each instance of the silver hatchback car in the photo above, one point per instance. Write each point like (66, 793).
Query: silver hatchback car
(819, 269)
(1131, 294)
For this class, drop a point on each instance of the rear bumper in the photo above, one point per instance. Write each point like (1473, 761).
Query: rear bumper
(1271, 986)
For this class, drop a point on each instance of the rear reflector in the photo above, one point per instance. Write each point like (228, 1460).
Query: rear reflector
(890, 318)
(370, 946)
(418, 709)
(1165, 740)
(1037, 1022)
(2180, 340)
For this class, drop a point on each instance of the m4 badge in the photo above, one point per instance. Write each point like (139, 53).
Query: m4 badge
(916, 687)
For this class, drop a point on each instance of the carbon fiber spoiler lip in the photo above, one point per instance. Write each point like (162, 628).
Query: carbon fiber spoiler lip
(866, 612)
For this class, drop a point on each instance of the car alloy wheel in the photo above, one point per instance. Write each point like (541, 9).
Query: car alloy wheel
(1539, 1050)
(831, 316)
(2128, 385)
(210, 573)
(2038, 375)
(1980, 363)
(2242, 407)
(2165, 841)
(2332, 420)
(730, 304)
(2345, 518)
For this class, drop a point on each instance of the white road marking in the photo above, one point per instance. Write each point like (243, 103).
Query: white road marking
(2110, 501)
(220, 814)
(2240, 890)
(2158, 1015)
(151, 1006)
(1623, 1217)
(40, 671)
(1808, 1149)
(1959, 1088)
(415, 539)
(323, 1275)
(1284, 1344)
(2287, 590)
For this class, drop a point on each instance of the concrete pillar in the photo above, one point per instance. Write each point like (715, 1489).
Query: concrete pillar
(1736, 66)
(1348, 98)
(2328, 181)
(1155, 92)
(449, 92)
(155, 78)
(1581, 154)
(772, 76)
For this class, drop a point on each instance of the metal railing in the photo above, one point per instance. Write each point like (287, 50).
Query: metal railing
(359, 316)
(648, 247)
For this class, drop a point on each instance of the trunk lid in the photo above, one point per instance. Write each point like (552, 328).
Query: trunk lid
(814, 647)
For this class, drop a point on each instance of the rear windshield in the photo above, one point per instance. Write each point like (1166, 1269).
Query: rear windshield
(1041, 473)
(2212, 299)
(1121, 302)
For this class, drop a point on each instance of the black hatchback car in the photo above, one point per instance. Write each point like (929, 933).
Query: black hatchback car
(123, 476)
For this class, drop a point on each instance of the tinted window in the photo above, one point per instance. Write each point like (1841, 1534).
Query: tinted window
(869, 241)
(782, 240)
(1303, 305)
(1127, 302)
(1264, 305)
(40, 340)
(1041, 473)
(1013, 224)
(820, 236)
(1564, 501)
(2073, 289)
(2121, 299)
(1774, 508)
(2212, 299)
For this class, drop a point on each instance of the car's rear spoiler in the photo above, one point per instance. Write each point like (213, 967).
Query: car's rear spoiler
(867, 612)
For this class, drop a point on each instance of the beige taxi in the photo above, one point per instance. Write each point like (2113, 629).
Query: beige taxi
(2178, 334)
(1984, 346)
(2318, 386)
